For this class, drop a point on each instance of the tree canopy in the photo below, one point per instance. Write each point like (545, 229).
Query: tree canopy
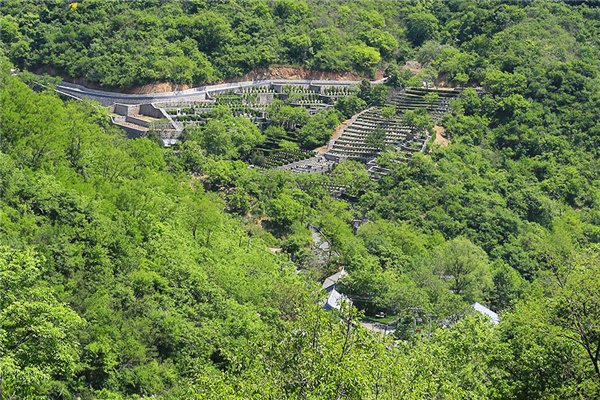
(131, 270)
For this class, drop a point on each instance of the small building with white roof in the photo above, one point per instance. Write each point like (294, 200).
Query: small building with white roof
(334, 298)
(480, 308)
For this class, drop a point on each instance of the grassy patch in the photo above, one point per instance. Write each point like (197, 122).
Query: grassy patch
(387, 319)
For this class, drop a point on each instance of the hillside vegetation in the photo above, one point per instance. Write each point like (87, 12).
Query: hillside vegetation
(130, 270)
(131, 43)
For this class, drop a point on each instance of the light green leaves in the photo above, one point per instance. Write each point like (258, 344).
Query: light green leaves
(37, 338)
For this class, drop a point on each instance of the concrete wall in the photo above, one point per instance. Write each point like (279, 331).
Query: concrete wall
(177, 102)
(317, 88)
(265, 98)
(133, 133)
(278, 87)
(334, 157)
(137, 121)
(120, 109)
(283, 96)
(151, 111)
(109, 98)
(327, 99)
(126, 109)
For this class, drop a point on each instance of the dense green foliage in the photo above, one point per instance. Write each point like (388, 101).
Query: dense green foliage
(144, 256)
(318, 129)
(194, 41)
(227, 137)
(124, 44)
(130, 270)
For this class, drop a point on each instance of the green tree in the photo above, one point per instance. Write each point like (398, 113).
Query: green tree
(504, 84)
(318, 129)
(300, 47)
(461, 78)
(400, 293)
(382, 40)
(429, 52)
(421, 27)
(299, 238)
(470, 101)
(286, 116)
(465, 348)
(573, 300)
(378, 94)
(507, 286)
(471, 130)
(290, 10)
(285, 210)
(464, 266)
(38, 340)
(535, 360)
(288, 145)
(365, 58)
(376, 139)
(396, 77)
(388, 112)
(350, 105)
(230, 137)
(203, 212)
(353, 175)
(365, 91)
(275, 132)
(418, 118)
(429, 75)
(244, 135)
(215, 140)
(431, 98)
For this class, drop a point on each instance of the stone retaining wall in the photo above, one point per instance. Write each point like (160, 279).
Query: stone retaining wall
(138, 121)
(151, 111)
(126, 109)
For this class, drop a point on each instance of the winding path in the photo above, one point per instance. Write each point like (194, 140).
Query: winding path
(107, 98)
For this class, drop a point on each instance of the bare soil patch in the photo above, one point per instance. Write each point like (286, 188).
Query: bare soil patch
(440, 136)
(337, 132)
(413, 66)
(300, 73)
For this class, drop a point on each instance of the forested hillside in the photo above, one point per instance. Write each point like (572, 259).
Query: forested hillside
(128, 43)
(131, 270)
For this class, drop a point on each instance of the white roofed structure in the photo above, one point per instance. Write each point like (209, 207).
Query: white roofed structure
(332, 280)
(334, 300)
(495, 318)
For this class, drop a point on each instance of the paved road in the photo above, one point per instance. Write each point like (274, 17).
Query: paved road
(107, 98)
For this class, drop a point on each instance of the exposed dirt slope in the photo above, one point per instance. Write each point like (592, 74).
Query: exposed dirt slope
(261, 73)
(301, 73)
(341, 126)
(440, 136)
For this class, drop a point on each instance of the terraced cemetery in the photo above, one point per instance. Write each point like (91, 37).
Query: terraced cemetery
(351, 142)
(249, 104)
(286, 157)
(399, 135)
(252, 103)
(315, 99)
